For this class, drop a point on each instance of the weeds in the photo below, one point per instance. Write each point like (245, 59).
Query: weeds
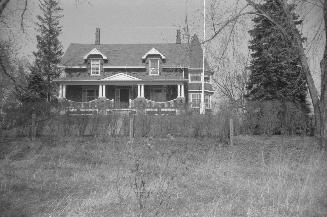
(91, 176)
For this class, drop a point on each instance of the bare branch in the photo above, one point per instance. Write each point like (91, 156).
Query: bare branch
(266, 15)
(231, 20)
(22, 16)
(3, 4)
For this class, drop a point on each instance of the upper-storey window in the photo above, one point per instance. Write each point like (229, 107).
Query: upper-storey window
(95, 67)
(195, 78)
(154, 66)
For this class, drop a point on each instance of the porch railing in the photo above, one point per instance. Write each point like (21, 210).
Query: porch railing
(103, 105)
(90, 107)
(154, 104)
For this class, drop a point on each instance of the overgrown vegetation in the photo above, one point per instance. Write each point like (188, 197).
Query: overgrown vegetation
(265, 118)
(76, 176)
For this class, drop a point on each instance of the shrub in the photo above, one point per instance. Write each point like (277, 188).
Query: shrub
(275, 118)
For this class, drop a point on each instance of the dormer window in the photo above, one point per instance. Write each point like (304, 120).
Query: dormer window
(95, 67)
(154, 66)
(153, 57)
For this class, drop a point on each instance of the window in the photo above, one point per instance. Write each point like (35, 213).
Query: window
(195, 100)
(154, 66)
(195, 77)
(207, 101)
(95, 67)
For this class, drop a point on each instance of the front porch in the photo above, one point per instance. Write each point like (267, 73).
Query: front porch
(106, 99)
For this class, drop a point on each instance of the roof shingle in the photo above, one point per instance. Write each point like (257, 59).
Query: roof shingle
(187, 55)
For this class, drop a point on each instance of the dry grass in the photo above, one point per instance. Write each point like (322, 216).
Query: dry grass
(272, 176)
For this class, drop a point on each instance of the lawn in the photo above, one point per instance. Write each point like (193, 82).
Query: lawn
(87, 176)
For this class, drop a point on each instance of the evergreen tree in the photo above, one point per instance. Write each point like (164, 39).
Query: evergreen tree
(49, 48)
(276, 72)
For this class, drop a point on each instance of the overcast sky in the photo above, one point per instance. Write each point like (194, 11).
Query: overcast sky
(120, 21)
(125, 21)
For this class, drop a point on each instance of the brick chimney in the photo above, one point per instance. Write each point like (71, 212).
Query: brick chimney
(97, 36)
(178, 37)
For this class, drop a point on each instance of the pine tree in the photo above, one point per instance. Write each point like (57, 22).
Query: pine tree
(275, 72)
(49, 48)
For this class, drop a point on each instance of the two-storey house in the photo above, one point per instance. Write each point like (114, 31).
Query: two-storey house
(156, 77)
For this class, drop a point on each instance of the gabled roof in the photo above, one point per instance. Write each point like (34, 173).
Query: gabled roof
(94, 51)
(181, 55)
(153, 51)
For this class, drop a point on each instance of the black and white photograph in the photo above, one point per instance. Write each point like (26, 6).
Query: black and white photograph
(163, 108)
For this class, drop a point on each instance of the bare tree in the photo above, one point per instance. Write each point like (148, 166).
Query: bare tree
(231, 78)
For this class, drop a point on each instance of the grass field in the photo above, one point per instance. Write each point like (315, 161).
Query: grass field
(259, 176)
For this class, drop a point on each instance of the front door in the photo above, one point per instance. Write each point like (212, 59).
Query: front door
(158, 94)
(122, 97)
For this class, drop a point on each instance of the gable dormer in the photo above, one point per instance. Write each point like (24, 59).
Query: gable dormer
(95, 60)
(154, 59)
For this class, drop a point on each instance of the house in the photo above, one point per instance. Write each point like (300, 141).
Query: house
(162, 78)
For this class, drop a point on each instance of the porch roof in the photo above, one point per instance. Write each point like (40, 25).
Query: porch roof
(140, 76)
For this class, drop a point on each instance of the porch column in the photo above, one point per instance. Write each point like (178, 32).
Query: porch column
(64, 91)
(100, 91)
(138, 90)
(60, 91)
(103, 90)
(142, 90)
(182, 91)
(179, 90)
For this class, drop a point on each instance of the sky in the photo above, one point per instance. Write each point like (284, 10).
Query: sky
(120, 21)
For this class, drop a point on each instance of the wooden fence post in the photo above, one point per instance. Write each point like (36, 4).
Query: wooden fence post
(231, 132)
(33, 130)
(131, 126)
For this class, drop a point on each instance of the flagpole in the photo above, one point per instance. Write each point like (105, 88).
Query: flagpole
(202, 109)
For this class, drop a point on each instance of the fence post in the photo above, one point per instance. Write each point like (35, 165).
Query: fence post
(231, 132)
(131, 125)
(33, 130)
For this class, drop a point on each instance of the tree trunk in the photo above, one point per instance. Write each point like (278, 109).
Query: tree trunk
(323, 96)
(318, 104)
